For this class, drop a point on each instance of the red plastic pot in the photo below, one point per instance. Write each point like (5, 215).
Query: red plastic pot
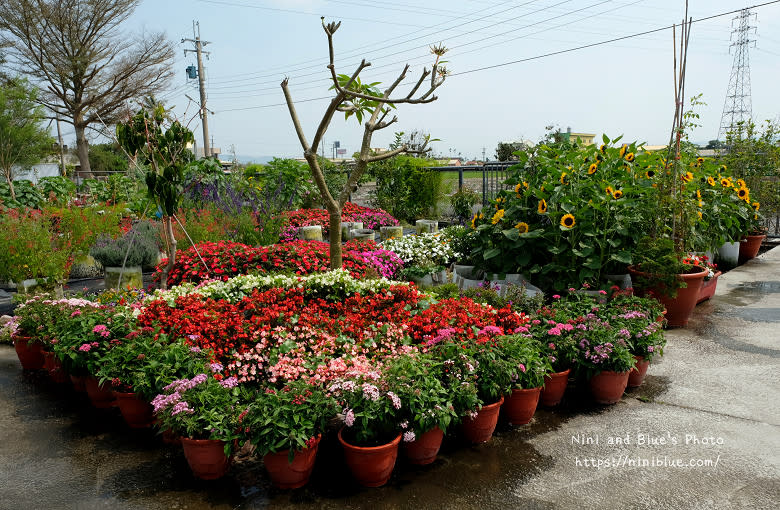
(291, 475)
(100, 395)
(138, 413)
(637, 374)
(607, 387)
(554, 388)
(748, 247)
(425, 447)
(479, 429)
(680, 307)
(53, 366)
(371, 466)
(520, 405)
(30, 353)
(708, 287)
(206, 457)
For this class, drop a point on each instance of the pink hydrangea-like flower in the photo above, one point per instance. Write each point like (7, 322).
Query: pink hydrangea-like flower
(102, 330)
(349, 418)
(230, 382)
(76, 313)
(409, 436)
(370, 391)
(395, 399)
(85, 347)
(216, 367)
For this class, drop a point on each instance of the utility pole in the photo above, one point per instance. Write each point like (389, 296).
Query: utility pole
(483, 154)
(201, 83)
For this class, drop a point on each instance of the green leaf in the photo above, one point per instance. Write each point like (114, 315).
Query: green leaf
(491, 253)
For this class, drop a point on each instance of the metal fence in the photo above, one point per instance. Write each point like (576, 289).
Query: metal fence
(491, 177)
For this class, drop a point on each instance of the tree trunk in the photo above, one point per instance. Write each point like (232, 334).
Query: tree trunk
(82, 147)
(168, 225)
(10, 182)
(334, 213)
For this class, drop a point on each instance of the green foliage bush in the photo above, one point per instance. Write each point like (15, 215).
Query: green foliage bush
(27, 195)
(139, 245)
(57, 189)
(407, 187)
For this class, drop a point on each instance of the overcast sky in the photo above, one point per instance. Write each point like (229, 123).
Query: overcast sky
(618, 88)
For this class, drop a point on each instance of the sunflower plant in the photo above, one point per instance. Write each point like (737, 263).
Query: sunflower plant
(571, 215)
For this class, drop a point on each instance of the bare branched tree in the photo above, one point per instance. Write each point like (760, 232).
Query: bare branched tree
(356, 98)
(86, 68)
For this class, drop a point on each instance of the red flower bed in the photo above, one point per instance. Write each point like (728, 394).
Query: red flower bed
(371, 218)
(226, 259)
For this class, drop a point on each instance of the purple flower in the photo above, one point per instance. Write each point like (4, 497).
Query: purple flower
(216, 367)
(230, 382)
(195, 348)
(181, 407)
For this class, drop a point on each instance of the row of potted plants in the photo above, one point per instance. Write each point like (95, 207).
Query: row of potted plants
(272, 359)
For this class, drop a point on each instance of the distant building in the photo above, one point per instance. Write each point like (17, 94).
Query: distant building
(585, 138)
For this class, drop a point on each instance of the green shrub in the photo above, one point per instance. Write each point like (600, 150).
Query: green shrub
(407, 187)
(139, 245)
(56, 189)
(27, 195)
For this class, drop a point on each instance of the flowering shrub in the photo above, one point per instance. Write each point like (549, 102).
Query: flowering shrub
(425, 250)
(530, 363)
(602, 348)
(640, 322)
(289, 418)
(227, 259)
(371, 219)
(200, 407)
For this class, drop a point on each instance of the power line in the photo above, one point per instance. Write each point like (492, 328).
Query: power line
(537, 57)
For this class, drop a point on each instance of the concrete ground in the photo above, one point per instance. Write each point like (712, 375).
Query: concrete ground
(702, 432)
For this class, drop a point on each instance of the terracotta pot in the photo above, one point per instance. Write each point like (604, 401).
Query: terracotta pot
(371, 466)
(170, 437)
(607, 387)
(748, 247)
(680, 307)
(637, 374)
(480, 428)
(53, 365)
(425, 447)
(79, 383)
(30, 353)
(100, 395)
(291, 475)
(554, 388)
(708, 287)
(520, 405)
(206, 457)
(138, 413)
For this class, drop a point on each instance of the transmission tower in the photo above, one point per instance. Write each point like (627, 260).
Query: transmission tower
(737, 107)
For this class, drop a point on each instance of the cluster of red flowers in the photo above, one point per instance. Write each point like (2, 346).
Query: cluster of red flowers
(226, 259)
(371, 218)
(287, 334)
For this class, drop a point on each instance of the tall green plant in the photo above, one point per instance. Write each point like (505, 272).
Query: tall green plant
(407, 187)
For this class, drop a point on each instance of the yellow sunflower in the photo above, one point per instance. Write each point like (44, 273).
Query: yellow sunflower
(710, 181)
(563, 178)
(518, 187)
(688, 177)
(617, 194)
(592, 168)
(741, 183)
(756, 206)
(603, 148)
(630, 157)
(699, 160)
(522, 227)
(744, 194)
(725, 183)
(698, 194)
(474, 221)
(542, 207)
(623, 150)
(723, 168)
(699, 214)
(497, 217)
(609, 190)
(567, 221)
(650, 174)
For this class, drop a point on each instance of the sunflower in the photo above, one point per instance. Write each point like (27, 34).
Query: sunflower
(725, 183)
(522, 227)
(630, 157)
(609, 190)
(563, 178)
(741, 183)
(603, 148)
(518, 187)
(699, 214)
(650, 174)
(525, 185)
(474, 221)
(592, 168)
(744, 194)
(497, 217)
(567, 221)
(699, 160)
(756, 206)
(617, 194)
(599, 158)
(710, 181)
(542, 207)
(723, 168)
(688, 177)
(623, 150)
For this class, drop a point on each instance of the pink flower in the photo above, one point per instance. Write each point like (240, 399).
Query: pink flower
(556, 296)
(75, 313)
(603, 292)
(521, 367)
(395, 399)
(85, 347)
(349, 418)
(102, 330)
(409, 436)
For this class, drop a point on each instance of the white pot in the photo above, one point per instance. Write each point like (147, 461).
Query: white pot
(728, 255)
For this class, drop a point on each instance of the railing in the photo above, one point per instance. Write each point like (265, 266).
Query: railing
(492, 176)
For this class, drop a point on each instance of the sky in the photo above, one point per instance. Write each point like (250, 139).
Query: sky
(621, 88)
